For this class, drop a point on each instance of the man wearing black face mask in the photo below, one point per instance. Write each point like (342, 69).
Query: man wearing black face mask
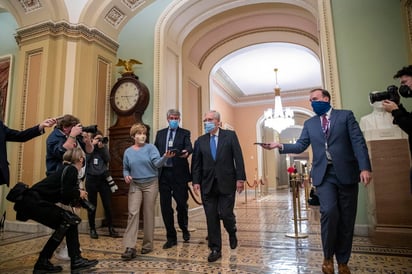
(401, 116)
(340, 161)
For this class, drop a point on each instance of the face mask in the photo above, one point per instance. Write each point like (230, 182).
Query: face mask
(209, 126)
(405, 91)
(141, 139)
(173, 124)
(320, 107)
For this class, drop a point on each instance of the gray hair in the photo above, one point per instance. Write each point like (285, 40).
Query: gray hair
(172, 112)
(216, 114)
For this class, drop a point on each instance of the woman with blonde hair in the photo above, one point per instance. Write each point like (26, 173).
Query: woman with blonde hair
(141, 162)
(39, 204)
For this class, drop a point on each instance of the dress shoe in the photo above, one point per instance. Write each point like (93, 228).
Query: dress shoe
(327, 266)
(113, 233)
(169, 244)
(186, 236)
(93, 234)
(343, 269)
(79, 263)
(43, 265)
(232, 240)
(146, 251)
(129, 254)
(214, 255)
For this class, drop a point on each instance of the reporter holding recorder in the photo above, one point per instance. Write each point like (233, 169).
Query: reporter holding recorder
(340, 162)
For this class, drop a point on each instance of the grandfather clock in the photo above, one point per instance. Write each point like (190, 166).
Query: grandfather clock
(129, 99)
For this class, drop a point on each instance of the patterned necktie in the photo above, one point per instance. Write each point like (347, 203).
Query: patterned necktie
(325, 124)
(213, 146)
(169, 161)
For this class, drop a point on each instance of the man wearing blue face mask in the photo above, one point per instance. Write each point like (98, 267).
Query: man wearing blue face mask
(174, 176)
(218, 171)
(340, 162)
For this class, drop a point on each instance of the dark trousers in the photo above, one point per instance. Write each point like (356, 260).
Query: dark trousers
(218, 206)
(98, 184)
(170, 188)
(51, 216)
(338, 204)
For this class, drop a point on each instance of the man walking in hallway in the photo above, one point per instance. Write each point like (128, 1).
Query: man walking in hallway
(218, 170)
(174, 176)
(340, 161)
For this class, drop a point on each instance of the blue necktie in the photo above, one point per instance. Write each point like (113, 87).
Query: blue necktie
(213, 146)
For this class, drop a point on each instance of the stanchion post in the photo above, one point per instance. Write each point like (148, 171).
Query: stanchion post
(296, 234)
(300, 218)
(246, 185)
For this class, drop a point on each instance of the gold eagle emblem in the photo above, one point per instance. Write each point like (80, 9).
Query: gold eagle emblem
(127, 64)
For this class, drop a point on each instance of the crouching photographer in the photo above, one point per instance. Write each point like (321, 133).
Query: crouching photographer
(39, 204)
(98, 180)
(401, 116)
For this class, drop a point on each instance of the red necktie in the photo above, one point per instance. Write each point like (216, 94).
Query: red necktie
(325, 123)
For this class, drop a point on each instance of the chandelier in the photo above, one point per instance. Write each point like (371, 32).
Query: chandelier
(278, 118)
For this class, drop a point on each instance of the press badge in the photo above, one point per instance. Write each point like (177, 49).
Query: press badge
(170, 143)
(95, 161)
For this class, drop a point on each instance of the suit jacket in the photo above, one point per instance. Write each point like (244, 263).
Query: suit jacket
(226, 169)
(346, 145)
(11, 135)
(180, 142)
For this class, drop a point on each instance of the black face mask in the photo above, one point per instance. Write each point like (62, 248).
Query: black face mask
(405, 91)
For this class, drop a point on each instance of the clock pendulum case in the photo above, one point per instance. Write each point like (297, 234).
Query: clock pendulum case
(128, 99)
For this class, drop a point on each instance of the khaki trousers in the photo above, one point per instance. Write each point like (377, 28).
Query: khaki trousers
(146, 192)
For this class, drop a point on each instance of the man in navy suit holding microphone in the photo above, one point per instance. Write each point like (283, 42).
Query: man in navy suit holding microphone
(340, 162)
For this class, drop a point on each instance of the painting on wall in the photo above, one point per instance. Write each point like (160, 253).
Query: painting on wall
(5, 74)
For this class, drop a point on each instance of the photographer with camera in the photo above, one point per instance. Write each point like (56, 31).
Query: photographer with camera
(98, 180)
(66, 135)
(401, 116)
(39, 204)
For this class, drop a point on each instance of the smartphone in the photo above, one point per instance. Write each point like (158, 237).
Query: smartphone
(175, 150)
(260, 144)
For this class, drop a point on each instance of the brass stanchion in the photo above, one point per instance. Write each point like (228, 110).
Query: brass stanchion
(300, 218)
(296, 234)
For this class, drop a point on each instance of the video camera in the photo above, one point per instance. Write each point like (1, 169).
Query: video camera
(391, 94)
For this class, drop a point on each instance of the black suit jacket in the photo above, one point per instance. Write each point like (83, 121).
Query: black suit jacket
(11, 135)
(226, 169)
(180, 142)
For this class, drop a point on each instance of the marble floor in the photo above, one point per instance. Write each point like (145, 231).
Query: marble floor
(268, 243)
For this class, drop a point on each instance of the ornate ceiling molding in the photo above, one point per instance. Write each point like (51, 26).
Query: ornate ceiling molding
(67, 30)
(252, 31)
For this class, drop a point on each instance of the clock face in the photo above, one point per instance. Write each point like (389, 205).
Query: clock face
(126, 96)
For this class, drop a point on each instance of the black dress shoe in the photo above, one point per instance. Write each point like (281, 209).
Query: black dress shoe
(186, 236)
(214, 255)
(128, 254)
(93, 234)
(233, 240)
(43, 265)
(113, 233)
(169, 244)
(79, 263)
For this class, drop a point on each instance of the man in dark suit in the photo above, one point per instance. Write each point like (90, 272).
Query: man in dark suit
(340, 161)
(174, 177)
(10, 135)
(218, 171)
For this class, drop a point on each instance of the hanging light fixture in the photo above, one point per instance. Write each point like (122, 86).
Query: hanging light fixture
(278, 118)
